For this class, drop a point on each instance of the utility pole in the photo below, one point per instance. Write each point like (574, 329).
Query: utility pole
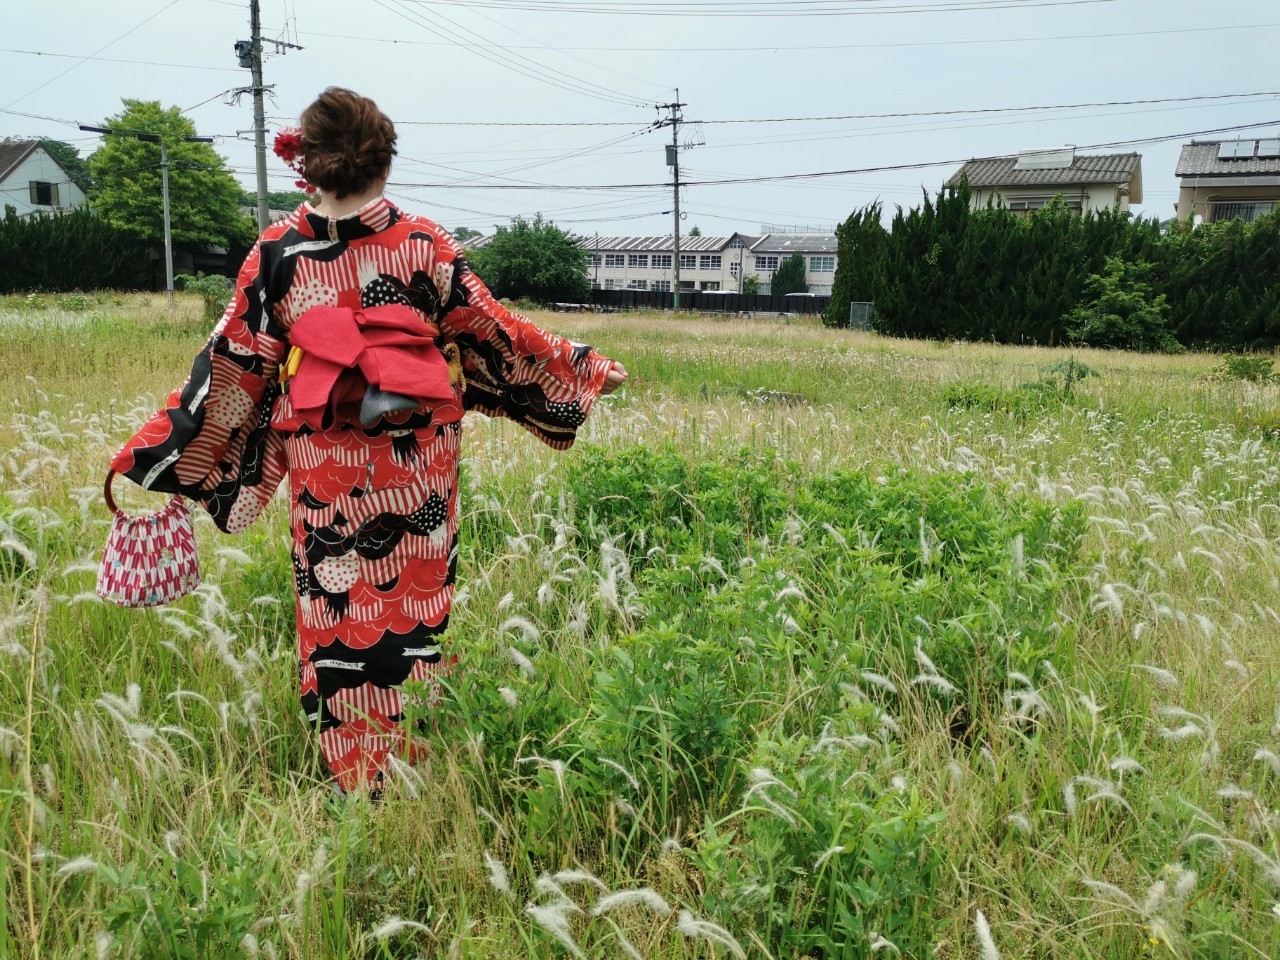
(168, 232)
(250, 54)
(164, 189)
(673, 161)
(259, 114)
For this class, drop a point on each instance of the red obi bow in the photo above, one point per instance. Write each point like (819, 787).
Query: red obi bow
(345, 352)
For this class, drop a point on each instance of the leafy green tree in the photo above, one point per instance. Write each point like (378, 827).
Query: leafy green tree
(204, 197)
(790, 276)
(1120, 310)
(76, 166)
(276, 199)
(751, 284)
(534, 260)
(695, 232)
(463, 234)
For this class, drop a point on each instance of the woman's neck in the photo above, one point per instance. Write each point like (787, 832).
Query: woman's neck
(331, 207)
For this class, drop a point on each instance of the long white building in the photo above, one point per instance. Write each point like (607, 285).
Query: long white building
(706, 263)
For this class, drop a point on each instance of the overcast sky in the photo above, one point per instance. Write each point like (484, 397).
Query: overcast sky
(443, 61)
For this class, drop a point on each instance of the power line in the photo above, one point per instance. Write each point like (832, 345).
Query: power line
(746, 8)
(831, 173)
(142, 63)
(524, 66)
(111, 43)
(546, 46)
(983, 110)
(809, 48)
(849, 116)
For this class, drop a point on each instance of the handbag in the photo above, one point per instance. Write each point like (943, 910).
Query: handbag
(150, 559)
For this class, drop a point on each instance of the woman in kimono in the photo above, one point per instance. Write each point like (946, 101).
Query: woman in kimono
(356, 339)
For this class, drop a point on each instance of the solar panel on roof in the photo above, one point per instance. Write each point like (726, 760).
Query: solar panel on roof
(1055, 159)
(1269, 148)
(1236, 149)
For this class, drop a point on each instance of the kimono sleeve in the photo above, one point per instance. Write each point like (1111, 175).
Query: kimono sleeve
(212, 442)
(514, 369)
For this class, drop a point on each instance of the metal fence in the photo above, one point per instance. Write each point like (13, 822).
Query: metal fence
(708, 302)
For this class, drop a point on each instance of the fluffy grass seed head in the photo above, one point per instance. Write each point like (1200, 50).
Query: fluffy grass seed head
(986, 942)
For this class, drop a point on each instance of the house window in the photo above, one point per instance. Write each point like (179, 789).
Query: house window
(1025, 205)
(766, 263)
(44, 194)
(688, 261)
(615, 260)
(662, 286)
(1246, 210)
(709, 262)
(822, 264)
(638, 261)
(637, 284)
(662, 261)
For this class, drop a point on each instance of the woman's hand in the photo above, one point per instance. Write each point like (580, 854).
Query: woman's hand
(615, 378)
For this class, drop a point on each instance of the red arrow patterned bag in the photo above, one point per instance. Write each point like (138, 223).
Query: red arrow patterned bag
(151, 559)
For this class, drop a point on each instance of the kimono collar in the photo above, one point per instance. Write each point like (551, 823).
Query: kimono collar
(374, 217)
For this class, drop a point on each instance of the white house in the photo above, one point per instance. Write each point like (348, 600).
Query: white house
(32, 181)
(1033, 178)
(707, 263)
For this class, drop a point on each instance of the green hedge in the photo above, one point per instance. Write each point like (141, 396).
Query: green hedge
(943, 270)
(69, 250)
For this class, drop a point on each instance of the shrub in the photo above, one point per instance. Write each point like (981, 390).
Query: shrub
(1120, 310)
(215, 291)
(69, 251)
(755, 586)
(825, 859)
(1250, 367)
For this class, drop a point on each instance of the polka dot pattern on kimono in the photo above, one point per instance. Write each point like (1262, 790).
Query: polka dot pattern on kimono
(338, 574)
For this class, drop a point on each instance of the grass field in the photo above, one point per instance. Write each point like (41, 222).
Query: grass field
(817, 644)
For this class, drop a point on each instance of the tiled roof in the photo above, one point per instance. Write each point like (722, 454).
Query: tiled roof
(1200, 158)
(274, 214)
(656, 244)
(1100, 168)
(12, 153)
(782, 243)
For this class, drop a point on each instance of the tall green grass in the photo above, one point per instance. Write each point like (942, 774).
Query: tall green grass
(815, 646)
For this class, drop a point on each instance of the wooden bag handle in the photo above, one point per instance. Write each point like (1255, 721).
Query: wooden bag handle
(106, 492)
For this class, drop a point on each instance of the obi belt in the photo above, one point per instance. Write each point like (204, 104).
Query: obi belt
(350, 365)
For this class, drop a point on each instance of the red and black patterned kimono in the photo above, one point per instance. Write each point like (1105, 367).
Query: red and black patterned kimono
(373, 511)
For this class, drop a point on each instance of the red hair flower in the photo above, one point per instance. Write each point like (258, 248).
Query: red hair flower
(288, 147)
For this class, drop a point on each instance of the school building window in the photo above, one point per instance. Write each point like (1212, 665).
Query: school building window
(662, 261)
(615, 260)
(638, 261)
(709, 262)
(822, 264)
(766, 263)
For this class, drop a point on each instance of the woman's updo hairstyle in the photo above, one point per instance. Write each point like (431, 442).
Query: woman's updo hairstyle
(347, 142)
